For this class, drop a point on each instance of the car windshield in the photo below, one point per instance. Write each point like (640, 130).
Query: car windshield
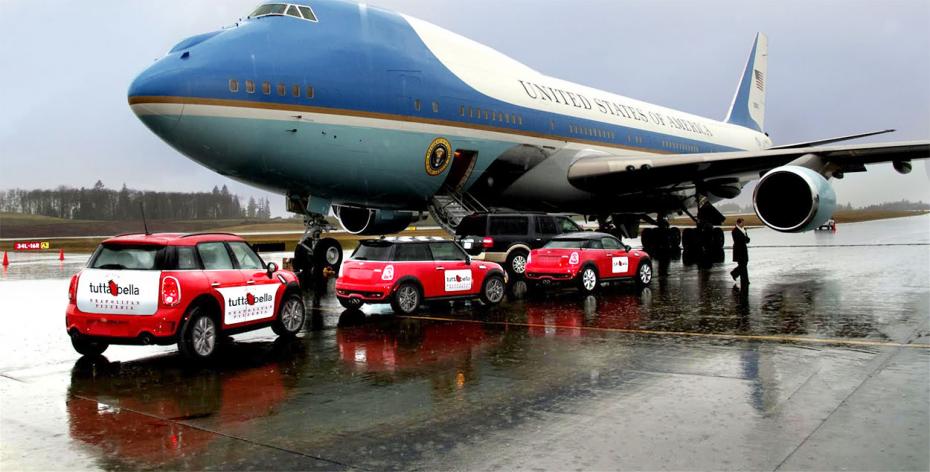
(121, 257)
(566, 244)
(373, 251)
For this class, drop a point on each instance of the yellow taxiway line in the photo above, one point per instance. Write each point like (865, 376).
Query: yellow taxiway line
(649, 332)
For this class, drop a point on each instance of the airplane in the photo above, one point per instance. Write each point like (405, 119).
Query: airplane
(381, 118)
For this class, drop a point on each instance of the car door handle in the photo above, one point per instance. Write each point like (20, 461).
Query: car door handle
(609, 254)
(440, 268)
(215, 284)
(251, 282)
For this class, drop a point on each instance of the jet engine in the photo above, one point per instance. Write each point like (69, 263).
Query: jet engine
(369, 221)
(792, 199)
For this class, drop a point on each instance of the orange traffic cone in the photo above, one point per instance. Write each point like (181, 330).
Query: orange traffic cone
(6, 260)
(61, 254)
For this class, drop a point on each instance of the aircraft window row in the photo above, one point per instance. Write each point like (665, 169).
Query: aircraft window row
(284, 9)
(634, 139)
(592, 132)
(680, 147)
(491, 115)
(281, 88)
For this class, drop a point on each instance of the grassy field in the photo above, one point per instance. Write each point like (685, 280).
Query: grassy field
(59, 231)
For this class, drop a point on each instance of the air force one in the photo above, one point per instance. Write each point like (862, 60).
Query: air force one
(379, 117)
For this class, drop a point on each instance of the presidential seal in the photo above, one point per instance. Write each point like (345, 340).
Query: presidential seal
(438, 156)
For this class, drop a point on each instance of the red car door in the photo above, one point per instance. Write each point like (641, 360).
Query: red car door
(225, 280)
(616, 259)
(261, 291)
(453, 274)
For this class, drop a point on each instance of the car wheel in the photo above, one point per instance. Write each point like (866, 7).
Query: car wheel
(199, 341)
(291, 316)
(351, 303)
(406, 299)
(493, 290)
(516, 263)
(588, 280)
(86, 347)
(644, 274)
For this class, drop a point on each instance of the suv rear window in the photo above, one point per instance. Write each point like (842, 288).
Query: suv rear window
(125, 257)
(471, 226)
(510, 225)
(373, 251)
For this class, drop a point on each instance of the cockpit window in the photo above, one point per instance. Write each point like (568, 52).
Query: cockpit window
(269, 9)
(284, 9)
(308, 13)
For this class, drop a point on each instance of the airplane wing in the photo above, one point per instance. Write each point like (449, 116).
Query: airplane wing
(631, 174)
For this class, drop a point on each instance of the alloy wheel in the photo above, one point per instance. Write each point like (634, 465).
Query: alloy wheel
(204, 336)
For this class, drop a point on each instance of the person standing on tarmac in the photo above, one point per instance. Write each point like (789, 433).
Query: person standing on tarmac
(740, 253)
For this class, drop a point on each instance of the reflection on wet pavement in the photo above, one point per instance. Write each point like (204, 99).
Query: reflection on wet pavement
(821, 364)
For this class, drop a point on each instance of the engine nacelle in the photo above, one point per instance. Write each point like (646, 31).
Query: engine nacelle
(370, 222)
(792, 199)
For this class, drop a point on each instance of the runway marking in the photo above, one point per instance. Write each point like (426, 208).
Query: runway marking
(649, 332)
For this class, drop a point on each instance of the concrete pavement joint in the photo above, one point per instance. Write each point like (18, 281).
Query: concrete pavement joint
(647, 332)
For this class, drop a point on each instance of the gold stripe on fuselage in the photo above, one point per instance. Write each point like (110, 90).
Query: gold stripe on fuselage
(380, 116)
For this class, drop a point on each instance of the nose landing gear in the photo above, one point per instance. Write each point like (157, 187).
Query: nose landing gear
(316, 258)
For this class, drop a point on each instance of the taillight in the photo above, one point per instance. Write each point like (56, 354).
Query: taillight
(170, 291)
(72, 288)
(487, 242)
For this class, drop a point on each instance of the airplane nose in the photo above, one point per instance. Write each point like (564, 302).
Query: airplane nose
(157, 95)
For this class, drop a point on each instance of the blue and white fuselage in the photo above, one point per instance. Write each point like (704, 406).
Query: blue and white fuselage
(346, 108)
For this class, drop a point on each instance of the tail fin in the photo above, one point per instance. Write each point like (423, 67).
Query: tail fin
(748, 107)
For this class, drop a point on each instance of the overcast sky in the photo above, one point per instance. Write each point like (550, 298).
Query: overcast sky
(835, 68)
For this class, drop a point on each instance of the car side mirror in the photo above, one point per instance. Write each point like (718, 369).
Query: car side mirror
(467, 260)
(628, 248)
(272, 268)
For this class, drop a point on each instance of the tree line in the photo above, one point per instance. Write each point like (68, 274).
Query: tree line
(101, 203)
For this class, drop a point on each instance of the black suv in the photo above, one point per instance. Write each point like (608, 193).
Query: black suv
(507, 238)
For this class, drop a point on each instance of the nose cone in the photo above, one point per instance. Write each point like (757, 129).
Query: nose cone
(157, 95)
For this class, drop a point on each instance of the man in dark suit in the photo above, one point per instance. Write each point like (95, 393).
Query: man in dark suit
(740, 253)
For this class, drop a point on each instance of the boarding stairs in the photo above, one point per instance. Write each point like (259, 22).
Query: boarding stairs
(449, 208)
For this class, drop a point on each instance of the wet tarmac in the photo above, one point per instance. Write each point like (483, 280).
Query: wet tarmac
(822, 363)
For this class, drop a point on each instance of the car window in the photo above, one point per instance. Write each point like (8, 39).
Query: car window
(214, 256)
(610, 243)
(594, 244)
(187, 260)
(245, 256)
(412, 252)
(471, 226)
(373, 251)
(447, 252)
(514, 225)
(566, 244)
(122, 257)
(546, 225)
(566, 225)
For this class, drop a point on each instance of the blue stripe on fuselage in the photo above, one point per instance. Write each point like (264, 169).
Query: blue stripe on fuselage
(365, 59)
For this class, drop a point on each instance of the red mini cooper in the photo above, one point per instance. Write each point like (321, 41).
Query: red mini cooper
(586, 259)
(185, 289)
(404, 272)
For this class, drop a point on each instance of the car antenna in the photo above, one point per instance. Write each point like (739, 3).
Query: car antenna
(144, 224)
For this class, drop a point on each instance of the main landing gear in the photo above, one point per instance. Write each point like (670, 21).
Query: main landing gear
(703, 244)
(316, 259)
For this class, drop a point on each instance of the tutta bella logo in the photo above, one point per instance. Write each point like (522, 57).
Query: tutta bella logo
(113, 288)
